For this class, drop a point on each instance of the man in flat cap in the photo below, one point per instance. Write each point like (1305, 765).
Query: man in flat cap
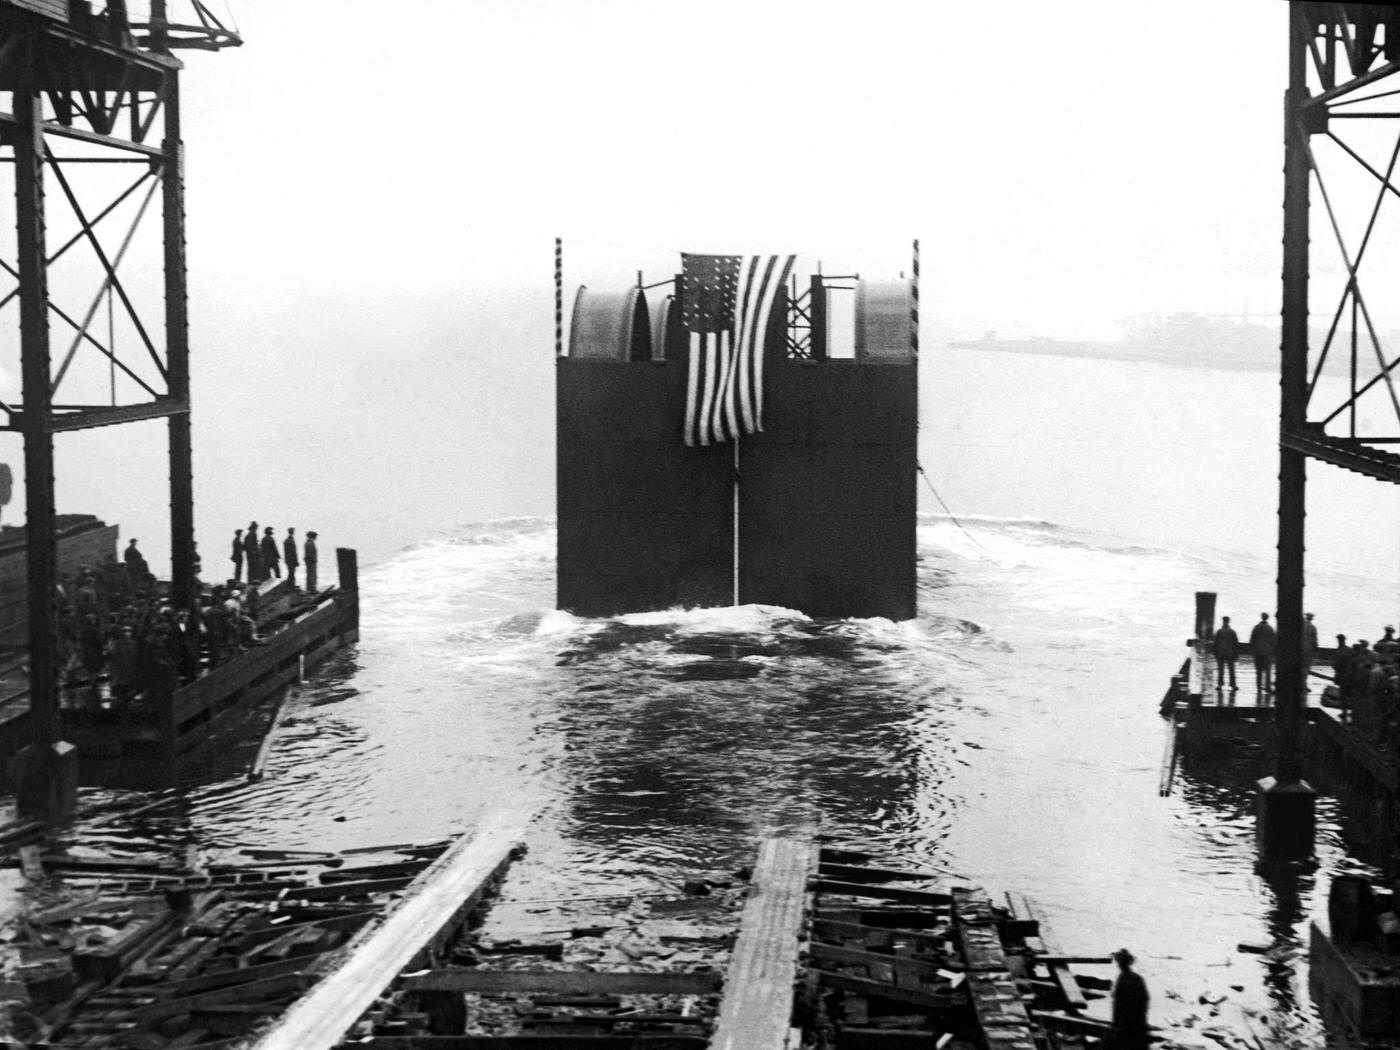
(1129, 1004)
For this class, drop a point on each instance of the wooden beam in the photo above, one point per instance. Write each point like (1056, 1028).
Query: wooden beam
(871, 989)
(319, 1020)
(875, 935)
(885, 893)
(640, 1041)
(756, 1011)
(866, 873)
(856, 957)
(564, 982)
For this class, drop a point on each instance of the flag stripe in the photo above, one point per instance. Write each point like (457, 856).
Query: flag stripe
(770, 297)
(691, 386)
(728, 301)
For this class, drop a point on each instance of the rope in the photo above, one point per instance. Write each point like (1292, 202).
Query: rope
(558, 297)
(952, 517)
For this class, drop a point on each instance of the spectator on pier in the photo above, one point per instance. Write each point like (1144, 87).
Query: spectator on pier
(1226, 648)
(90, 646)
(271, 560)
(251, 553)
(236, 555)
(122, 653)
(1130, 1001)
(1263, 643)
(1309, 647)
(310, 558)
(289, 555)
(1341, 666)
(1388, 644)
(136, 564)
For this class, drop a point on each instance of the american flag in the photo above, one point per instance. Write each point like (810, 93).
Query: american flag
(726, 301)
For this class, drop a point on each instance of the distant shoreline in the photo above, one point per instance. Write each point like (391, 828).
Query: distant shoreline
(1096, 351)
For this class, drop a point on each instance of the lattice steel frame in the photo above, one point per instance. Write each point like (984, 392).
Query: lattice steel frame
(1340, 55)
(113, 87)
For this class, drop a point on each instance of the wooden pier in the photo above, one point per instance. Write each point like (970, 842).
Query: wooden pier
(382, 950)
(150, 745)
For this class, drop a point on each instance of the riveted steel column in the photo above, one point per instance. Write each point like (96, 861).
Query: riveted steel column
(37, 425)
(177, 350)
(1286, 819)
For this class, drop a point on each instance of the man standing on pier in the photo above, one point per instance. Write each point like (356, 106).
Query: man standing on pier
(1263, 642)
(270, 558)
(236, 555)
(289, 556)
(1226, 648)
(310, 552)
(1129, 1004)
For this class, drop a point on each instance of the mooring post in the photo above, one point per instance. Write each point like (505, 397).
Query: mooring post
(1205, 616)
(347, 562)
(1286, 815)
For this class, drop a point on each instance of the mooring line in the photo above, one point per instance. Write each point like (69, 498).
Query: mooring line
(952, 517)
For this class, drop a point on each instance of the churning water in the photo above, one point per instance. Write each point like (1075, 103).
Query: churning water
(1009, 737)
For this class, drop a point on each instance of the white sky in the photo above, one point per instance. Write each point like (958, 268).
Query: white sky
(1063, 164)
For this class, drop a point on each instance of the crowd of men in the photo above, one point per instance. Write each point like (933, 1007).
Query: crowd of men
(264, 557)
(1367, 680)
(116, 621)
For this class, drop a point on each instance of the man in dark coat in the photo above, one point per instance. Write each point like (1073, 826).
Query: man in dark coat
(289, 555)
(1263, 642)
(310, 552)
(1130, 1001)
(236, 555)
(1226, 648)
(271, 560)
(136, 564)
(252, 553)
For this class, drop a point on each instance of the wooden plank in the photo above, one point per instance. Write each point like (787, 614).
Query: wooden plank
(930, 999)
(874, 934)
(856, 957)
(756, 1011)
(321, 1018)
(1057, 963)
(866, 873)
(642, 1041)
(885, 893)
(564, 982)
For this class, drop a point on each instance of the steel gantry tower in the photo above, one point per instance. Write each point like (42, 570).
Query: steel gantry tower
(93, 139)
(1341, 146)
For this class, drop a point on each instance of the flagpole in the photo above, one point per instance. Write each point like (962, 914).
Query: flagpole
(734, 481)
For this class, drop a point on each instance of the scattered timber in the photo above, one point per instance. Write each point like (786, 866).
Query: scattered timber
(898, 967)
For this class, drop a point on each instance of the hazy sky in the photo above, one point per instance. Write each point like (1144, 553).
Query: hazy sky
(1064, 164)
(372, 200)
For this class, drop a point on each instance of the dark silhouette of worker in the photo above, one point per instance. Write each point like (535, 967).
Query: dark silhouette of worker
(1263, 642)
(1341, 671)
(270, 558)
(309, 551)
(136, 564)
(1226, 648)
(289, 555)
(1388, 643)
(1129, 1004)
(252, 553)
(1309, 647)
(236, 555)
